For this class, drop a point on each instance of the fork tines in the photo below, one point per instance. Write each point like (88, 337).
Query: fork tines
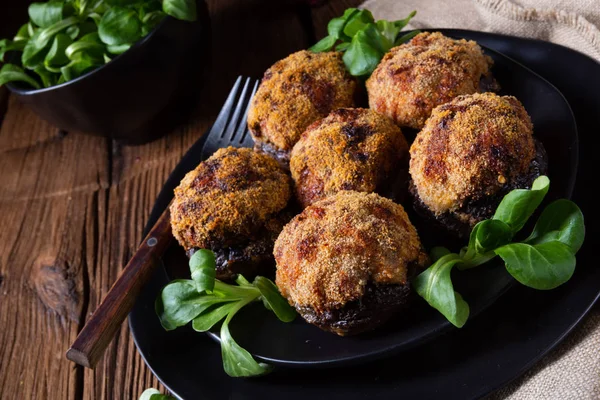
(230, 128)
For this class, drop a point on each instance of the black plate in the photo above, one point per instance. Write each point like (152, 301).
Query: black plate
(486, 353)
(306, 345)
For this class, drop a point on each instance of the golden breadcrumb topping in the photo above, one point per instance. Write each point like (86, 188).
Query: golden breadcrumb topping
(297, 91)
(228, 197)
(327, 254)
(351, 149)
(470, 148)
(417, 76)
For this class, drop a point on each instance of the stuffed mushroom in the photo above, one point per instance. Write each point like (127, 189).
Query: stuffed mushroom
(233, 203)
(295, 92)
(346, 261)
(351, 149)
(430, 70)
(471, 152)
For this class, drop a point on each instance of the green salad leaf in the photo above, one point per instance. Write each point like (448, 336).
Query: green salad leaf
(335, 27)
(65, 39)
(151, 20)
(273, 300)
(31, 29)
(120, 26)
(562, 220)
(358, 21)
(120, 49)
(389, 32)
(488, 235)
(485, 237)
(56, 57)
(545, 260)
(206, 301)
(363, 40)
(80, 64)
(46, 14)
(324, 44)
(22, 34)
(89, 44)
(518, 205)
(73, 31)
(237, 362)
(435, 286)
(12, 73)
(7, 45)
(180, 302)
(47, 77)
(184, 10)
(365, 51)
(542, 266)
(213, 315)
(202, 267)
(35, 50)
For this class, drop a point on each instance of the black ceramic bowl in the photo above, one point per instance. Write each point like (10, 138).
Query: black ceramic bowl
(139, 95)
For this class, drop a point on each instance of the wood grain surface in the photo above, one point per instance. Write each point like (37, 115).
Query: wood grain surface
(72, 207)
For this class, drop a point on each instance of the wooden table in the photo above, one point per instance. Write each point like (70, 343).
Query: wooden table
(72, 207)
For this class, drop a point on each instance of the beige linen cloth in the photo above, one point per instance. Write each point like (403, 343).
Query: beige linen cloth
(571, 371)
(571, 23)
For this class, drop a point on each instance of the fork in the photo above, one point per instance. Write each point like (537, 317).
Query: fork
(229, 129)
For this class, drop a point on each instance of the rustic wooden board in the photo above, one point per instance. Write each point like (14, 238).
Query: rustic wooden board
(73, 206)
(51, 183)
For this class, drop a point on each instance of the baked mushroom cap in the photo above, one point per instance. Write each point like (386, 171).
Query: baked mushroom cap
(294, 93)
(345, 262)
(430, 70)
(228, 199)
(473, 148)
(351, 149)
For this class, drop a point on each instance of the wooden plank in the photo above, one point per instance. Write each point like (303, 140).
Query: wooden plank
(30, 149)
(50, 185)
(124, 208)
(65, 245)
(73, 208)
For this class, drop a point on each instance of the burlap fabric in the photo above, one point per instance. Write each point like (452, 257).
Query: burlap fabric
(571, 371)
(571, 23)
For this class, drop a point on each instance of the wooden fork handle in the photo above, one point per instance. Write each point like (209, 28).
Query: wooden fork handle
(98, 332)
